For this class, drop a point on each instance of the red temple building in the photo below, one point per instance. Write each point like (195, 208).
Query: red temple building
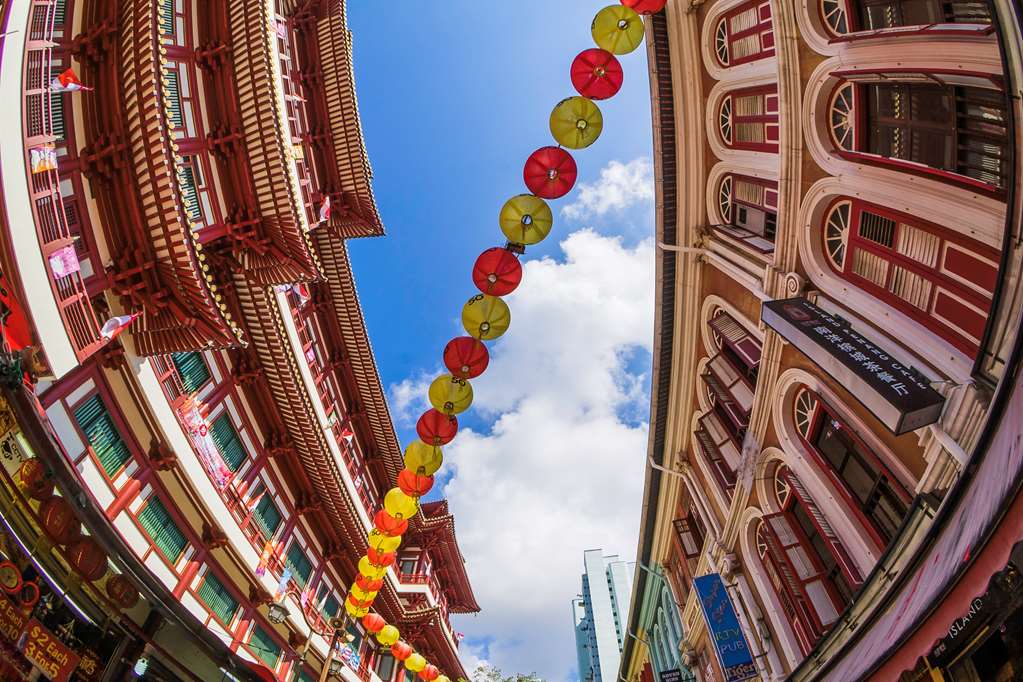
(160, 480)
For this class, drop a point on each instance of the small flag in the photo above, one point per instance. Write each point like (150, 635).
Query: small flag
(64, 261)
(310, 356)
(459, 636)
(115, 325)
(264, 558)
(282, 586)
(302, 292)
(347, 434)
(43, 158)
(67, 82)
(307, 595)
(325, 209)
(254, 500)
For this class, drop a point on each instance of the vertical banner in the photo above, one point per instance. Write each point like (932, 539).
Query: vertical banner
(723, 625)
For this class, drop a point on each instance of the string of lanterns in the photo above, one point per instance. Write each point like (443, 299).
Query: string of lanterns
(526, 219)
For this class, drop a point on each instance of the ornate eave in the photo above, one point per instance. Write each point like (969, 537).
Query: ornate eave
(440, 524)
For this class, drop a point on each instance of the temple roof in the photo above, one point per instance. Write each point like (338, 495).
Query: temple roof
(447, 556)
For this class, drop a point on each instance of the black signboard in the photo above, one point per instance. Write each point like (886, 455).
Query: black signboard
(894, 393)
(673, 675)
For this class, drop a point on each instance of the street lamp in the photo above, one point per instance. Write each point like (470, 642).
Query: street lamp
(277, 613)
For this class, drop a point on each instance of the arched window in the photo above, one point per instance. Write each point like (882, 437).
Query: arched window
(868, 486)
(941, 279)
(745, 34)
(846, 16)
(953, 125)
(748, 119)
(749, 208)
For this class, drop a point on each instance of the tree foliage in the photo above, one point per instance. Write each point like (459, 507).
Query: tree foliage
(489, 673)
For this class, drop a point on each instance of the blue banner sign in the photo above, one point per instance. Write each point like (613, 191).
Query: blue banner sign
(723, 626)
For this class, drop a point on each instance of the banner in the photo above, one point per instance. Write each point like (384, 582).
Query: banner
(48, 653)
(723, 625)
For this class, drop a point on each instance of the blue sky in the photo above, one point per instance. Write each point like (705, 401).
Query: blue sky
(453, 97)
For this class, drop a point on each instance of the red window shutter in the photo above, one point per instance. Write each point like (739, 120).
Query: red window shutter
(689, 537)
(841, 554)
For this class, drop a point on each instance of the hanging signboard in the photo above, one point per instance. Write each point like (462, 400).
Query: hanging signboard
(723, 625)
(895, 394)
(12, 620)
(673, 675)
(46, 652)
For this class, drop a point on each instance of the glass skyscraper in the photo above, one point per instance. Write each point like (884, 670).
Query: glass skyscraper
(599, 614)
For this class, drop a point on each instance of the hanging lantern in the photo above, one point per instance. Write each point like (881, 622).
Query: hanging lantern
(576, 122)
(645, 6)
(422, 458)
(381, 558)
(383, 543)
(399, 505)
(617, 29)
(429, 673)
(414, 485)
(388, 525)
(368, 584)
(357, 603)
(449, 395)
(526, 219)
(485, 317)
(497, 272)
(355, 611)
(367, 569)
(401, 651)
(388, 635)
(34, 480)
(415, 663)
(374, 622)
(361, 596)
(597, 74)
(59, 521)
(550, 172)
(436, 427)
(86, 557)
(122, 592)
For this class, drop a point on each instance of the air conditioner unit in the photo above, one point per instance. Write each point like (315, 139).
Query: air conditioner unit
(752, 219)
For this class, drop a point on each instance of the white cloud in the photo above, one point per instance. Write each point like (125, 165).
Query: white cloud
(620, 186)
(560, 470)
(408, 398)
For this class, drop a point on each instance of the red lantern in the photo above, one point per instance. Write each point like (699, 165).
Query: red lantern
(497, 272)
(86, 557)
(374, 622)
(59, 521)
(381, 558)
(401, 650)
(645, 6)
(597, 74)
(435, 427)
(388, 525)
(466, 358)
(122, 592)
(34, 480)
(429, 673)
(359, 604)
(368, 584)
(414, 485)
(550, 172)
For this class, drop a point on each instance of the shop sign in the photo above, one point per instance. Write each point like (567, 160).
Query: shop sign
(723, 625)
(673, 675)
(12, 620)
(49, 654)
(901, 399)
(89, 668)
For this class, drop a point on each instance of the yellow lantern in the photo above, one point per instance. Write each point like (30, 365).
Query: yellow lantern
(526, 219)
(486, 317)
(423, 459)
(450, 396)
(576, 122)
(399, 505)
(353, 611)
(442, 678)
(388, 635)
(361, 595)
(369, 570)
(617, 29)
(415, 663)
(383, 543)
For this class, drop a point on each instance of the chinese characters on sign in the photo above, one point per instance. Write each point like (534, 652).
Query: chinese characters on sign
(723, 626)
(894, 393)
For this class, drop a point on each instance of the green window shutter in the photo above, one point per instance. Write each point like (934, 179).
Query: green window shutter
(189, 191)
(226, 438)
(192, 369)
(167, 18)
(331, 607)
(301, 676)
(264, 647)
(174, 98)
(299, 563)
(98, 427)
(267, 516)
(216, 597)
(159, 525)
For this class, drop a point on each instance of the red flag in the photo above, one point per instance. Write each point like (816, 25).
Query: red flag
(115, 325)
(16, 331)
(67, 82)
(254, 500)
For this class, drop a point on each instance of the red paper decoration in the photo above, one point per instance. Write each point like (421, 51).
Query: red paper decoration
(86, 557)
(368, 584)
(597, 74)
(359, 604)
(401, 650)
(388, 525)
(59, 521)
(373, 622)
(550, 172)
(429, 673)
(381, 558)
(497, 272)
(122, 592)
(645, 6)
(34, 480)
(466, 358)
(414, 485)
(435, 427)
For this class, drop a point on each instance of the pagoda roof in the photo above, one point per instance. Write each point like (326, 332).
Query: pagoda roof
(439, 522)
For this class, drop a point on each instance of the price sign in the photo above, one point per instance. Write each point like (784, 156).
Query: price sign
(48, 653)
(12, 620)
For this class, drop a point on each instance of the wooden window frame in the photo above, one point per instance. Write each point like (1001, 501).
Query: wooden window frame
(764, 26)
(769, 119)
